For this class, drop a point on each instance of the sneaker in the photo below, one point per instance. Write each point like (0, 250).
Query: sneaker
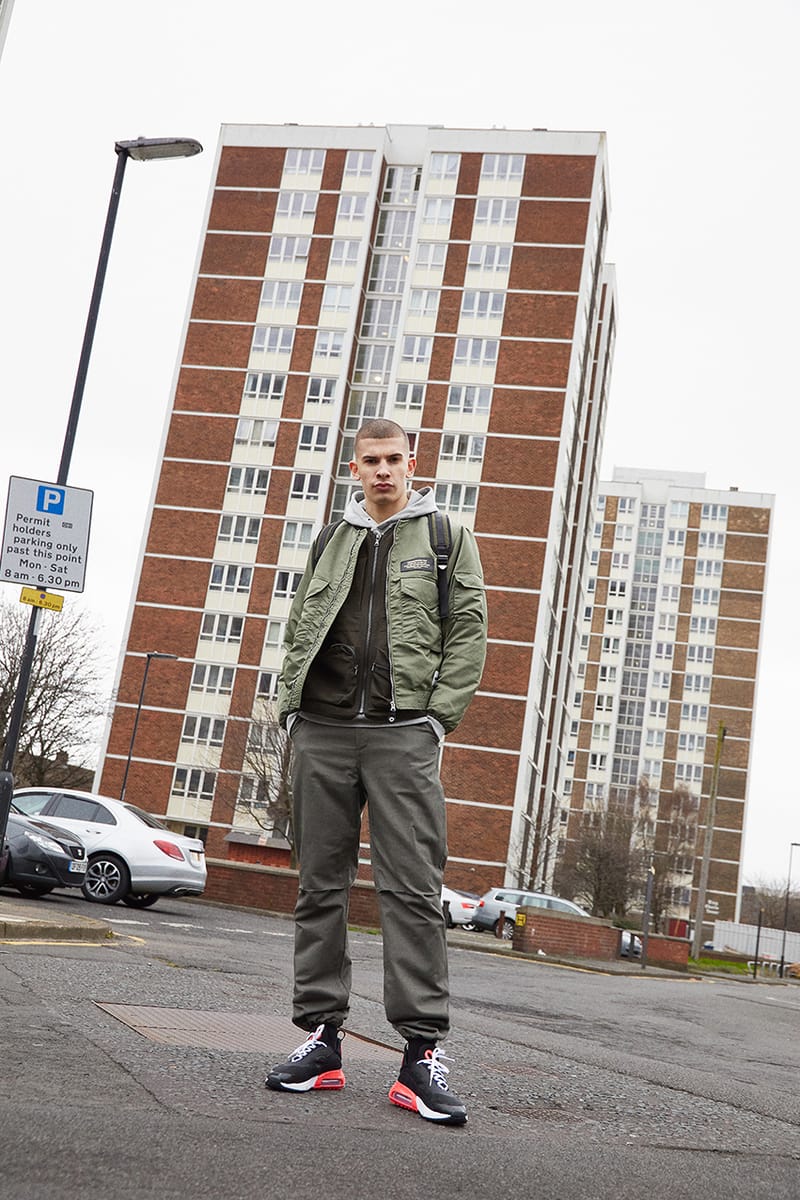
(315, 1064)
(422, 1088)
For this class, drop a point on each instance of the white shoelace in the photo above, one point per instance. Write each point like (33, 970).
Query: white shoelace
(435, 1064)
(312, 1041)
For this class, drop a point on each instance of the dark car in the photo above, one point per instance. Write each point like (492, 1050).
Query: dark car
(39, 856)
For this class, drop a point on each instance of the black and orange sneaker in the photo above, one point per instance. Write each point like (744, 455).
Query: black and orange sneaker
(315, 1064)
(422, 1087)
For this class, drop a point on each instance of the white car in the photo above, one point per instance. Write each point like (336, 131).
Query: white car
(459, 908)
(132, 856)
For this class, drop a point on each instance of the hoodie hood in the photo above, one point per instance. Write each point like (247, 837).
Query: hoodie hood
(419, 505)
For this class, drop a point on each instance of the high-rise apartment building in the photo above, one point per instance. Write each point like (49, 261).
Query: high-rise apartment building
(668, 659)
(454, 281)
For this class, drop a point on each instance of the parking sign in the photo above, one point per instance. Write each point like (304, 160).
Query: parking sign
(46, 535)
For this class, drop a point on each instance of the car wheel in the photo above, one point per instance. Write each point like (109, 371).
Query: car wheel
(469, 926)
(107, 879)
(141, 899)
(32, 891)
(508, 929)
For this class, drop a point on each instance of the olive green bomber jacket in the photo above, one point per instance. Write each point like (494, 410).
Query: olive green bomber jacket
(435, 668)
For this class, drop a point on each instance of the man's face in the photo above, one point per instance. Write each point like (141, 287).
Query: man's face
(383, 466)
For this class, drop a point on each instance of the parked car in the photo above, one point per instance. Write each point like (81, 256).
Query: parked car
(506, 901)
(39, 856)
(460, 907)
(132, 856)
(630, 944)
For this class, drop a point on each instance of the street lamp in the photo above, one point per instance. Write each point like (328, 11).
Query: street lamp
(151, 654)
(792, 846)
(142, 149)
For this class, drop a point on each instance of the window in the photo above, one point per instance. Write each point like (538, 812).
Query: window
(625, 504)
(697, 683)
(664, 649)
(496, 212)
(297, 535)
(328, 344)
(286, 584)
(705, 595)
(623, 533)
(297, 204)
(194, 784)
(252, 431)
(394, 230)
(336, 298)
(424, 302)
(607, 674)
(600, 732)
(703, 625)
(652, 516)
(417, 349)
(482, 305)
(387, 273)
(671, 593)
(264, 385)
(219, 627)
(676, 537)
(203, 731)
(462, 447)
(488, 257)
(694, 712)
(401, 185)
(502, 166)
(715, 512)
(320, 390)
(358, 162)
(668, 621)
(611, 645)
(661, 679)
(313, 437)
(305, 486)
(469, 399)
(288, 249)
(679, 509)
(273, 339)
(655, 738)
(267, 686)
(228, 577)
(380, 318)
(476, 352)
(709, 540)
(689, 772)
(617, 587)
(248, 481)
(214, 680)
(437, 210)
(409, 395)
(273, 636)
(709, 566)
(658, 708)
(604, 702)
(692, 742)
(444, 166)
(352, 207)
(304, 162)
(373, 363)
(457, 497)
(431, 255)
(700, 654)
(597, 762)
(614, 616)
(673, 565)
(239, 530)
(280, 294)
(344, 253)
(362, 407)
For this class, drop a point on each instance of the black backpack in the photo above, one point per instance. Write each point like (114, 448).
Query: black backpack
(441, 537)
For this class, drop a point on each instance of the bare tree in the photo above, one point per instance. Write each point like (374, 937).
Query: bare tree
(769, 895)
(266, 757)
(64, 703)
(606, 864)
(673, 850)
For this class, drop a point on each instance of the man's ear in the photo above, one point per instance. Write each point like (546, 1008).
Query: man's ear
(354, 468)
(412, 466)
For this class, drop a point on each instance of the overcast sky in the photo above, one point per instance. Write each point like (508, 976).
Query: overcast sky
(699, 99)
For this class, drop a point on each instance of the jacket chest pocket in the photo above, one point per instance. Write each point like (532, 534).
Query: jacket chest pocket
(419, 608)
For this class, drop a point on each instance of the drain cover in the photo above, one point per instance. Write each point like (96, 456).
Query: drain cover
(230, 1031)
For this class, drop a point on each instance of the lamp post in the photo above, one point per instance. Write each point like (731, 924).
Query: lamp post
(143, 150)
(792, 846)
(151, 654)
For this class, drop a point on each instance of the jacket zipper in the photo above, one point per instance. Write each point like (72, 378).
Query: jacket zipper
(392, 704)
(365, 673)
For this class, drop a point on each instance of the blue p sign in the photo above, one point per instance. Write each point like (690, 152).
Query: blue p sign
(50, 500)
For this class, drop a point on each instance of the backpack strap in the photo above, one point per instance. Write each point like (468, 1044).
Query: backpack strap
(441, 542)
(321, 540)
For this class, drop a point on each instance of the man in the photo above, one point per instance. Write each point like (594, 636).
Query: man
(372, 679)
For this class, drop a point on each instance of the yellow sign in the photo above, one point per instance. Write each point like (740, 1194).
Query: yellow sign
(42, 599)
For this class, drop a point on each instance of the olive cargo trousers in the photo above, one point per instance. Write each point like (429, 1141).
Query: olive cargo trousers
(394, 772)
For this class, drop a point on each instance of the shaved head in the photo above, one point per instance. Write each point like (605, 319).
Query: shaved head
(377, 427)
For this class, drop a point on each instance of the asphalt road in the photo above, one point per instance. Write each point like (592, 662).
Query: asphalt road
(135, 1069)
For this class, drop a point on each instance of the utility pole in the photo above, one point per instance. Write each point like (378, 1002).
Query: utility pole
(711, 815)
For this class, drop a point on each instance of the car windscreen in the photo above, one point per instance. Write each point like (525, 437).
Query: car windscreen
(145, 817)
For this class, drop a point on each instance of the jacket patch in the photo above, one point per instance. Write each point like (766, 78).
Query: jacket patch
(416, 564)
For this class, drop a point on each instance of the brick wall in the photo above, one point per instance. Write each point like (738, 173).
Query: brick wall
(252, 885)
(580, 937)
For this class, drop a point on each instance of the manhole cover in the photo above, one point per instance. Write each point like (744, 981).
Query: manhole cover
(230, 1031)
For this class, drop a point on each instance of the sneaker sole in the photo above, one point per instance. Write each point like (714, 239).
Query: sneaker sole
(328, 1081)
(403, 1097)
